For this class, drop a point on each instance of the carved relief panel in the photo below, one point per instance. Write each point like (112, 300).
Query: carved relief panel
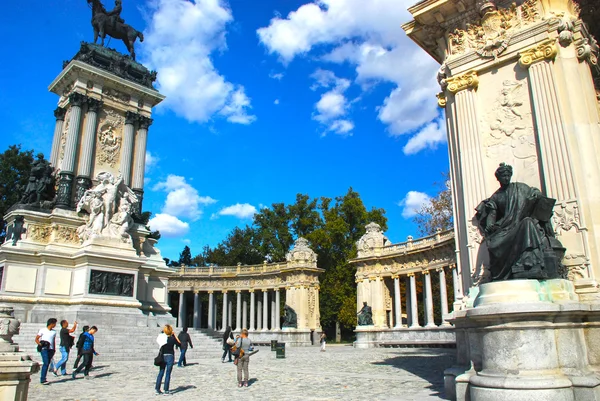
(109, 141)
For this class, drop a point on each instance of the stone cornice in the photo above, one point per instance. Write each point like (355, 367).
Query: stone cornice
(468, 80)
(543, 51)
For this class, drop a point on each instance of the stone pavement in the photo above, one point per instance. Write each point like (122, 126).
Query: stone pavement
(341, 372)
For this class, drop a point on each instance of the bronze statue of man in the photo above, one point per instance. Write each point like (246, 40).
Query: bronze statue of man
(115, 15)
(365, 315)
(515, 222)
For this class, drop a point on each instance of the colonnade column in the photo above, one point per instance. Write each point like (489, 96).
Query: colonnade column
(197, 310)
(211, 310)
(455, 282)
(224, 317)
(272, 311)
(443, 295)
(181, 316)
(259, 313)
(84, 169)
(429, 322)
(414, 312)
(277, 309)
(238, 311)
(252, 312)
(244, 314)
(265, 313)
(127, 146)
(397, 302)
(230, 313)
(59, 114)
(65, 182)
(137, 183)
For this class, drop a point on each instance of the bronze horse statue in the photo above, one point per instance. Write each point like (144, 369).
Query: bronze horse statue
(109, 23)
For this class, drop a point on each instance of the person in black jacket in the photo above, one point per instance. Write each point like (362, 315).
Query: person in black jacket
(226, 347)
(184, 340)
(79, 346)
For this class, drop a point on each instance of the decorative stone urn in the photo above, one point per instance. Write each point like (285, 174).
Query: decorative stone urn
(15, 368)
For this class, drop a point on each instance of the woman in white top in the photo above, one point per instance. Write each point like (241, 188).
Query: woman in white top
(45, 340)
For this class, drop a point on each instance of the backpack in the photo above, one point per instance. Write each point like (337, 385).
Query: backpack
(71, 342)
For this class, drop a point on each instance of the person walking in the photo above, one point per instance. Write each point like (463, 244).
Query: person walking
(45, 340)
(79, 346)
(244, 345)
(184, 340)
(88, 352)
(66, 343)
(167, 340)
(228, 341)
(323, 341)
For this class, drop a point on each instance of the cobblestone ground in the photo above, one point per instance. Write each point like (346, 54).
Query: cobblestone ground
(305, 374)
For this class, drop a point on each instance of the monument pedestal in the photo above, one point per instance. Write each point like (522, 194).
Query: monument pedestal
(526, 340)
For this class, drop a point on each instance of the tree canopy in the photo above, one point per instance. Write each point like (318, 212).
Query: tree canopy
(15, 165)
(438, 213)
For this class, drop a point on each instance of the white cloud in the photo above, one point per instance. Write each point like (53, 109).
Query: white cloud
(180, 39)
(429, 136)
(276, 101)
(368, 36)
(333, 104)
(183, 200)
(150, 161)
(169, 226)
(239, 210)
(276, 75)
(413, 202)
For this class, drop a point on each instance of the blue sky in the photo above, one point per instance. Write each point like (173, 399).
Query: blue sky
(264, 100)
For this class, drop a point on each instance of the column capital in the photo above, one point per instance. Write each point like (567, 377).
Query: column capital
(468, 80)
(544, 51)
(395, 276)
(145, 122)
(224, 291)
(425, 272)
(411, 274)
(59, 113)
(251, 290)
(181, 291)
(238, 291)
(265, 290)
(210, 291)
(94, 104)
(77, 99)
(131, 117)
(441, 99)
(439, 269)
(196, 291)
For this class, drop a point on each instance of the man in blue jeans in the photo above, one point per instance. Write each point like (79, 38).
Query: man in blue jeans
(184, 341)
(88, 352)
(66, 342)
(45, 341)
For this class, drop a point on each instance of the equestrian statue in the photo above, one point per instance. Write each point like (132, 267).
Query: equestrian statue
(110, 23)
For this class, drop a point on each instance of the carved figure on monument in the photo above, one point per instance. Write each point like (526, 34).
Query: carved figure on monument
(16, 230)
(110, 143)
(373, 238)
(109, 205)
(301, 252)
(365, 315)
(40, 186)
(111, 24)
(515, 222)
(290, 318)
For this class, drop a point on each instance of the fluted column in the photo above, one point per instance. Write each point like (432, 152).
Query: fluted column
(59, 113)
(65, 182)
(443, 295)
(238, 311)
(455, 282)
(197, 310)
(265, 317)
(252, 311)
(259, 309)
(127, 146)
(429, 321)
(181, 315)
(244, 313)
(230, 313)
(211, 310)
(397, 303)
(414, 308)
(277, 309)
(224, 317)
(84, 168)
(137, 184)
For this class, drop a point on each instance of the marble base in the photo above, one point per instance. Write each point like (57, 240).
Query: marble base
(15, 375)
(526, 340)
(371, 337)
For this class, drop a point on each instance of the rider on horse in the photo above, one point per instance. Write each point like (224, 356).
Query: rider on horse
(115, 15)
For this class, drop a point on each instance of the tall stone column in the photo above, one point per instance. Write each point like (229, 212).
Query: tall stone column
(127, 146)
(137, 183)
(224, 317)
(238, 311)
(197, 310)
(277, 309)
(265, 317)
(252, 311)
(181, 316)
(443, 295)
(414, 311)
(230, 313)
(455, 282)
(84, 169)
(65, 181)
(428, 300)
(211, 310)
(259, 309)
(272, 311)
(59, 113)
(244, 313)
(397, 302)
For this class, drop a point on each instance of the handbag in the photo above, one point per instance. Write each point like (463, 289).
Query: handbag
(159, 360)
(230, 341)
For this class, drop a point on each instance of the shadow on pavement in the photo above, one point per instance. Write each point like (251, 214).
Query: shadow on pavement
(101, 375)
(252, 381)
(426, 363)
(182, 388)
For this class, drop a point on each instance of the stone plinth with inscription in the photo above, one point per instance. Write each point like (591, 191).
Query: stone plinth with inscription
(83, 256)
(517, 82)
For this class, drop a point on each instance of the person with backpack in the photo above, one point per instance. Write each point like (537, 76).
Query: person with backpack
(79, 346)
(66, 343)
(242, 346)
(45, 340)
(167, 341)
(184, 340)
(88, 352)
(228, 341)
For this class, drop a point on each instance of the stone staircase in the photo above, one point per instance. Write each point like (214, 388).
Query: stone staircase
(124, 343)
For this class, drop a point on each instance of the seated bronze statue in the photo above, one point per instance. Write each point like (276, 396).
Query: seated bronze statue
(365, 315)
(515, 222)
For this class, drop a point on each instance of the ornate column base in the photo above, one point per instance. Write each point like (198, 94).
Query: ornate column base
(65, 188)
(82, 184)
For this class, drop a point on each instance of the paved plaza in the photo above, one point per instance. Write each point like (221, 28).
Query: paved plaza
(305, 374)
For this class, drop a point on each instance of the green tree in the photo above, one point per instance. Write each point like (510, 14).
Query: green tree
(590, 14)
(272, 230)
(438, 213)
(240, 246)
(185, 257)
(14, 173)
